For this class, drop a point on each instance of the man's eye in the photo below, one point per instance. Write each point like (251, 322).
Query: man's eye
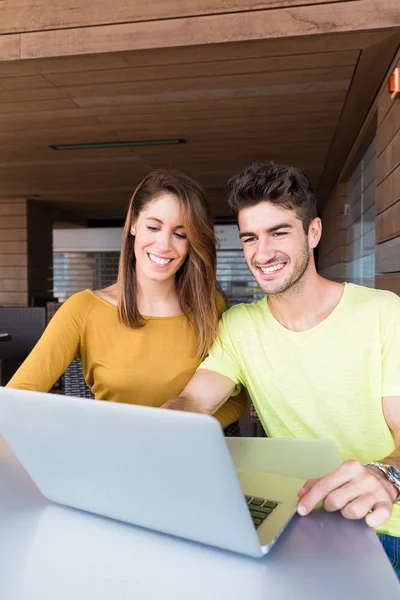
(248, 240)
(280, 233)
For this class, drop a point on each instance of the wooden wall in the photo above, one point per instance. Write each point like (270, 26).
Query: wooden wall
(13, 253)
(388, 194)
(335, 258)
(333, 248)
(26, 252)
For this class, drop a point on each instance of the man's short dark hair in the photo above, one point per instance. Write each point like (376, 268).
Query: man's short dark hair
(283, 185)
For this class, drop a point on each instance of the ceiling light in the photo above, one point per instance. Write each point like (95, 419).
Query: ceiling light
(116, 144)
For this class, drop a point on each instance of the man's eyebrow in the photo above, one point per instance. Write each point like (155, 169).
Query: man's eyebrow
(246, 234)
(280, 226)
(162, 222)
(270, 230)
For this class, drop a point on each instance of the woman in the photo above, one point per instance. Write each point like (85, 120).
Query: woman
(142, 338)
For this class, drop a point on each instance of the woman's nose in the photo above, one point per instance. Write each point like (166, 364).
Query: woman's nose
(164, 241)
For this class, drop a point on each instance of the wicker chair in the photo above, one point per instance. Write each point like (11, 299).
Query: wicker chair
(257, 429)
(74, 381)
(75, 385)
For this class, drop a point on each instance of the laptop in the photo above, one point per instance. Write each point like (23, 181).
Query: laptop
(164, 470)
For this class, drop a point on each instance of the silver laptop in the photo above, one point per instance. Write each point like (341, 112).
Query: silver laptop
(164, 470)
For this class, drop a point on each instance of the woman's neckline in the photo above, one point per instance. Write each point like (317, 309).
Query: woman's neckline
(113, 306)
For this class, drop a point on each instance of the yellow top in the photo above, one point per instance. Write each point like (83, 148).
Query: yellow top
(326, 382)
(146, 366)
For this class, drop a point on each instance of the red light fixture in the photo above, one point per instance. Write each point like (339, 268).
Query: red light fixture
(394, 84)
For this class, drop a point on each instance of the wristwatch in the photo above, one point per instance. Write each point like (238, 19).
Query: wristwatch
(392, 474)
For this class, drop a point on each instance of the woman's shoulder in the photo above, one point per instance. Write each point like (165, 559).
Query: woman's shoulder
(85, 298)
(78, 305)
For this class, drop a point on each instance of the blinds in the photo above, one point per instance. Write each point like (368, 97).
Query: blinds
(76, 271)
(235, 278)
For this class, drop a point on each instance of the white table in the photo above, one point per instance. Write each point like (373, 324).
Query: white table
(49, 552)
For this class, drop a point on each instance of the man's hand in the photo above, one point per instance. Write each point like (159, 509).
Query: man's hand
(205, 393)
(358, 492)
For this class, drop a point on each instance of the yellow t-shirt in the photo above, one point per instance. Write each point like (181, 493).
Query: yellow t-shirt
(326, 382)
(146, 366)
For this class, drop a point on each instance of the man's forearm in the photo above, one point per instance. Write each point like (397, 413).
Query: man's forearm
(393, 459)
(182, 403)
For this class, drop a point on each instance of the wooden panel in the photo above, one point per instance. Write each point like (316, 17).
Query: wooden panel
(19, 260)
(278, 105)
(13, 285)
(16, 68)
(290, 89)
(388, 128)
(214, 68)
(205, 53)
(11, 208)
(388, 192)
(388, 256)
(12, 222)
(10, 47)
(305, 120)
(232, 27)
(13, 272)
(20, 15)
(336, 272)
(330, 243)
(389, 282)
(388, 223)
(239, 80)
(365, 85)
(32, 82)
(389, 159)
(42, 106)
(29, 95)
(43, 122)
(56, 135)
(126, 114)
(12, 247)
(13, 299)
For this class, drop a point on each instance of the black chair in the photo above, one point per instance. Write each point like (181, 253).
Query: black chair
(75, 385)
(24, 325)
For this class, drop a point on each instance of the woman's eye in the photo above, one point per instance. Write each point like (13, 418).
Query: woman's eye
(152, 228)
(181, 236)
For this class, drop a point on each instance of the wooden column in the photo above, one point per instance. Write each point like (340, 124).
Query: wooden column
(26, 252)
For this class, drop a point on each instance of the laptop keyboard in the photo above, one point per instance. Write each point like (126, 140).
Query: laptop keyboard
(260, 509)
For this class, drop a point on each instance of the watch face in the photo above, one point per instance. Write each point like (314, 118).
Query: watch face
(395, 473)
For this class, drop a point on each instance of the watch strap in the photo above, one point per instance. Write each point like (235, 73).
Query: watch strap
(387, 471)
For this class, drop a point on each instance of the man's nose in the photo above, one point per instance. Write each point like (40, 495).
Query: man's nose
(265, 251)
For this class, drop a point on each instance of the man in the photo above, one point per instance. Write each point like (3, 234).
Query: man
(319, 358)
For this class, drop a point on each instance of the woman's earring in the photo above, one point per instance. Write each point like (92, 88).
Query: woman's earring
(133, 231)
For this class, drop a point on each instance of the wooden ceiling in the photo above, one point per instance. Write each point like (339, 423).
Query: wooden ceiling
(233, 103)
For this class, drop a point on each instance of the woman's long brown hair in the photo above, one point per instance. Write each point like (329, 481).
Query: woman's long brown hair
(195, 280)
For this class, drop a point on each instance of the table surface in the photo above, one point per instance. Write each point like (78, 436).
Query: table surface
(49, 551)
